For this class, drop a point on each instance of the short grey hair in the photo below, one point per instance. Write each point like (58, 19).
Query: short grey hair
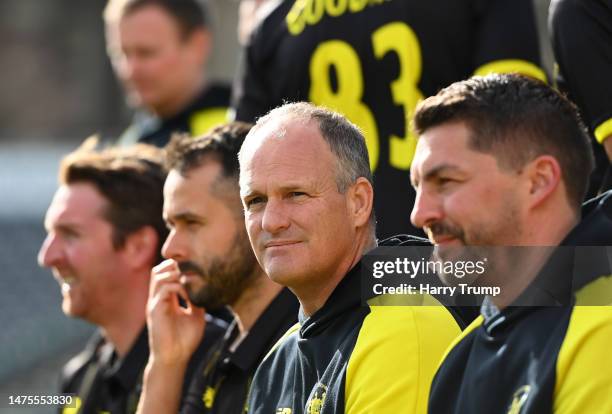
(344, 138)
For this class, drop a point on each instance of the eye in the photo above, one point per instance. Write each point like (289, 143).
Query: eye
(252, 202)
(192, 223)
(297, 194)
(442, 181)
(70, 234)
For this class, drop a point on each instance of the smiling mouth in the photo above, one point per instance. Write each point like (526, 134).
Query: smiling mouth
(440, 239)
(65, 280)
(67, 283)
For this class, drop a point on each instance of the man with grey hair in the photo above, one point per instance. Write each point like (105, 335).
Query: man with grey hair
(306, 187)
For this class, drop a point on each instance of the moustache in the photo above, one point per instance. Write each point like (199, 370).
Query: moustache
(190, 267)
(443, 229)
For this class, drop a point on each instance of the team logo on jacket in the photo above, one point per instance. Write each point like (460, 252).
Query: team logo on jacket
(519, 399)
(316, 399)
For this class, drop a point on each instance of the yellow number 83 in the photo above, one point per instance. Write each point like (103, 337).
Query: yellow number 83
(347, 98)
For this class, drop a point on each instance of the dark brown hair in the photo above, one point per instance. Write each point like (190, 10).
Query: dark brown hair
(131, 179)
(184, 153)
(516, 119)
(190, 15)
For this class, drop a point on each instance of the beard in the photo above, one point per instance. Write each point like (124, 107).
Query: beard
(482, 243)
(226, 278)
(449, 262)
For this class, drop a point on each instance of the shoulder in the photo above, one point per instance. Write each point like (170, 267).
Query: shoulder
(425, 329)
(588, 335)
(72, 371)
(396, 355)
(285, 343)
(266, 36)
(584, 372)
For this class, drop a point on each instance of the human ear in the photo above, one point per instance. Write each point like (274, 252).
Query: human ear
(140, 248)
(360, 201)
(200, 44)
(544, 174)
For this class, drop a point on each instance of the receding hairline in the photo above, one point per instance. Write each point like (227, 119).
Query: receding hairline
(281, 126)
(65, 190)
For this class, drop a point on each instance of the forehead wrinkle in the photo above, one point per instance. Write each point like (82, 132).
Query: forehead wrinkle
(267, 159)
(287, 149)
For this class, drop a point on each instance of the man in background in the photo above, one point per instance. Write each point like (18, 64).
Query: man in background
(159, 50)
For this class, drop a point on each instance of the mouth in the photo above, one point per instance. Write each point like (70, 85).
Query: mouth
(189, 277)
(66, 282)
(442, 240)
(280, 243)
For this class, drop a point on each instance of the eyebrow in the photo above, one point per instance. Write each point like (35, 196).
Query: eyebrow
(437, 170)
(62, 227)
(283, 189)
(67, 226)
(249, 194)
(185, 216)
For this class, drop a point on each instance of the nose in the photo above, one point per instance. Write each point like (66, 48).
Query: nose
(275, 218)
(427, 209)
(175, 246)
(50, 252)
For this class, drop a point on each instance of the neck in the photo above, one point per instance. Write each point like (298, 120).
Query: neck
(544, 234)
(180, 102)
(126, 320)
(521, 267)
(254, 301)
(313, 295)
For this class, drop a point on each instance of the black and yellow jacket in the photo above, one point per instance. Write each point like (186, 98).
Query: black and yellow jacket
(529, 361)
(104, 383)
(208, 110)
(349, 358)
(547, 359)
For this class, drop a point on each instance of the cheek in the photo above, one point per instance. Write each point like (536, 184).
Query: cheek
(156, 67)
(331, 231)
(171, 66)
(458, 210)
(215, 240)
(77, 254)
(252, 224)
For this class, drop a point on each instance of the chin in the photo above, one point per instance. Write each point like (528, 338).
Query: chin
(281, 275)
(70, 310)
(447, 252)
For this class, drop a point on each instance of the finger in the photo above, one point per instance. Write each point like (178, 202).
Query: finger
(196, 311)
(164, 266)
(198, 314)
(161, 279)
(166, 298)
